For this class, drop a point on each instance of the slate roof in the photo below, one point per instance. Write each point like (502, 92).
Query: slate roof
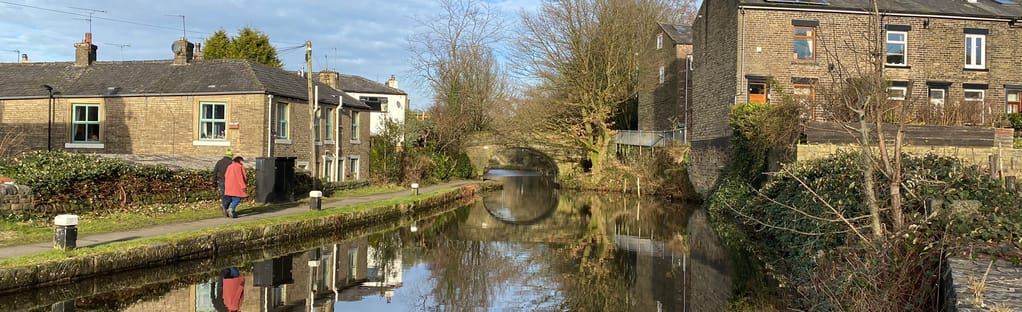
(680, 34)
(359, 84)
(155, 78)
(982, 8)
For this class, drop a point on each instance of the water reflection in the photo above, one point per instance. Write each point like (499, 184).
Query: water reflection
(549, 251)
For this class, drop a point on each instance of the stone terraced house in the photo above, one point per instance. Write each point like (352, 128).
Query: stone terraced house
(957, 61)
(663, 99)
(185, 108)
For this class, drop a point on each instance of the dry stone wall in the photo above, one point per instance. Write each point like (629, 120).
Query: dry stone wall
(15, 199)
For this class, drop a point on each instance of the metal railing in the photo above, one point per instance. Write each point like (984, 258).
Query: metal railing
(650, 138)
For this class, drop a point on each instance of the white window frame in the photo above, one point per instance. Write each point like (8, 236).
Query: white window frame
(355, 136)
(662, 74)
(659, 41)
(943, 97)
(327, 171)
(353, 168)
(283, 123)
(317, 128)
(328, 124)
(205, 120)
(981, 101)
(902, 90)
(904, 49)
(972, 49)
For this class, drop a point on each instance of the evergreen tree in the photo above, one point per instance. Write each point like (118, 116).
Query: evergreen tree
(216, 46)
(249, 44)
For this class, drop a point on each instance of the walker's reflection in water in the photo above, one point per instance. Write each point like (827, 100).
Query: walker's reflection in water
(528, 247)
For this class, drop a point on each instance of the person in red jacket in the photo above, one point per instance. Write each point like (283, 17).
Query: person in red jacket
(234, 289)
(235, 183)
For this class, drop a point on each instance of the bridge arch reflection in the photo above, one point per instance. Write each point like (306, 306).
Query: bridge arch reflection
(527, 198)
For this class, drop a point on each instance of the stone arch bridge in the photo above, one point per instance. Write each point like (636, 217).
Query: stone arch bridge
(489, 150)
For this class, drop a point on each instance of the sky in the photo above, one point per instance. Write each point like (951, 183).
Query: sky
(368, 38)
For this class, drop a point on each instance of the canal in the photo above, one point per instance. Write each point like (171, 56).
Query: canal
(528, 247)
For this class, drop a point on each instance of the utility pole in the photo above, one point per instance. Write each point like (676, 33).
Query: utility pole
(312, 116)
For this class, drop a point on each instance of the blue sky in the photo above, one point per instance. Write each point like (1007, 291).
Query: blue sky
(361, 37)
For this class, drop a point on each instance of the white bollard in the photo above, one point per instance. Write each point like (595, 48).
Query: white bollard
(415, 188)
(315, 200)
(65, 236)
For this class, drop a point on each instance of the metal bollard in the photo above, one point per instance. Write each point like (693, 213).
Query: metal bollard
(315, 200)
(65, 236)
(415, 188)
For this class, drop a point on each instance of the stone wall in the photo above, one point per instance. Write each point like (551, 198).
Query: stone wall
(1010, 159)
(15, 198)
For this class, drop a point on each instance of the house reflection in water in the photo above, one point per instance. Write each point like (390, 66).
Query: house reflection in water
(307, 281)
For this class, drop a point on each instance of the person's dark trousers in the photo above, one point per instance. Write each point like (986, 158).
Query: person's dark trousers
(225, 201)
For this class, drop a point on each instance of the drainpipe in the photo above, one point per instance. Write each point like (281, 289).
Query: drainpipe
(269, 125)
(337, 139)
(688, 79)
(742, 73)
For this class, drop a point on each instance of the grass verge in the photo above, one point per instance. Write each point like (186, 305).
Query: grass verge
(18, 233)
(241, 224)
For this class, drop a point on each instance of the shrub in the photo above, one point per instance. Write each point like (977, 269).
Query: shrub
(72, 182)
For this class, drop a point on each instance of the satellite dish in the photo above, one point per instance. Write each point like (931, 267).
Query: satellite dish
(178, 47)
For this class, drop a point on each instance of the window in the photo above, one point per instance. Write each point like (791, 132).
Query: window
(805, 96)
(662, 73)
(283, 117)
(328, 167)
(85, 123)
(975, 51)
(805, 38)
(757, 92)
(212, 121)
(974, 103)
(659, 41)
(937, 97)
(354, 127)
(373, 101)
(328, 123)
(897, 42)
(896, 93)
(352, 263)
(353, 168)
(316, 126)
(1013, 101)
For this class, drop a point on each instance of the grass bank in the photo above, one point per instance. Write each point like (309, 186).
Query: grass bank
(56, 267)
(14, 232)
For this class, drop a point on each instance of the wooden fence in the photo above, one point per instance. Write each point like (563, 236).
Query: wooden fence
(833, 133)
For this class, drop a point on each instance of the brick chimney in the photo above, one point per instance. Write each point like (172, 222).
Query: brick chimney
(24, 58)
(392, 82)
(85, 51)
(329, 77)
(182, 51)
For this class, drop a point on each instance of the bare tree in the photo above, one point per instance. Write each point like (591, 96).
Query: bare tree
(454, 55)
(585, 54)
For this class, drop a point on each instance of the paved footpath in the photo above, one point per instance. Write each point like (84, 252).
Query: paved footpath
(100, 239)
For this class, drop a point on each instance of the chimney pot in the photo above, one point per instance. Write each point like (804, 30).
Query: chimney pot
(88, 37)
(24, 58)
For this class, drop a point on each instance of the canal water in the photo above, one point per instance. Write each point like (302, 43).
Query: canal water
(528, 247)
